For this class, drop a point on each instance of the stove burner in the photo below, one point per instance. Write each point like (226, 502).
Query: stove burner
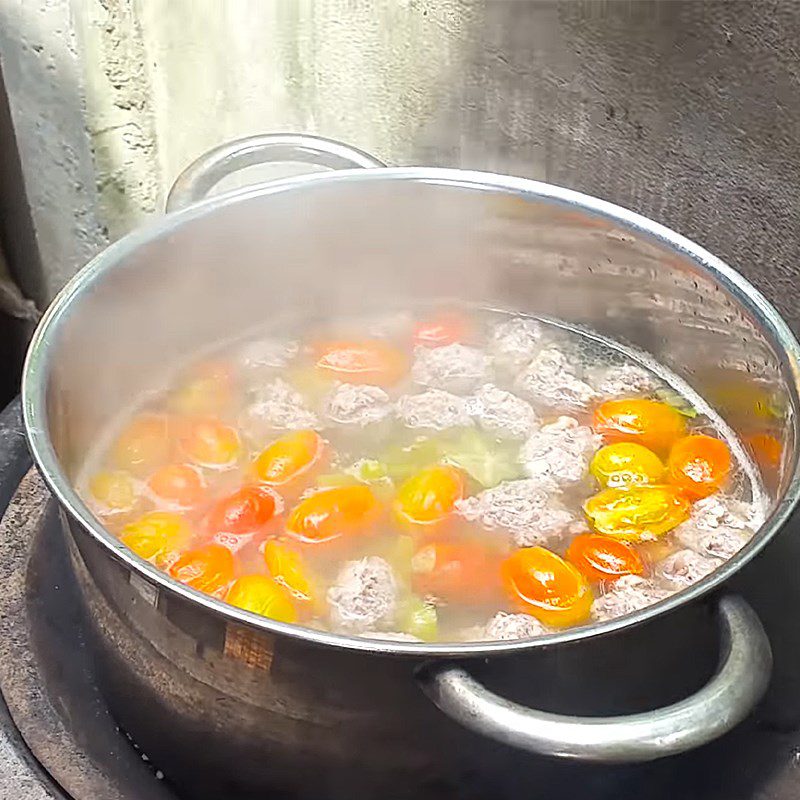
(58, 740)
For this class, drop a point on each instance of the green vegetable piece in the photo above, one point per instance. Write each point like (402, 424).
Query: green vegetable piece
(402, 462)
(400, 555)
(334, 479)
(419, 619)
(484, 459)
(368, 470)
(669, 396)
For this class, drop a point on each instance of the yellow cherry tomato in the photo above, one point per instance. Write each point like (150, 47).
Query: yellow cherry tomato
(289, 570)
(637, 513)
(143, 445)
(540, 583)
(289, 458)
(113, 491)
(207, 389)
(158, 537)
(262, 595)
(626, 464)
(650, 423)
(430, 495)
(180, 486)
(211, 443)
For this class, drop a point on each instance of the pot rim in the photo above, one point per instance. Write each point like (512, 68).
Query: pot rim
(37, 367)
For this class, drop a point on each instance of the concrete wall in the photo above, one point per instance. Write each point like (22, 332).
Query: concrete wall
(687, 111)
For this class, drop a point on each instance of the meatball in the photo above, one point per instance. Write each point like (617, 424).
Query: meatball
(454, 368)
(621, 380)
(357, 404)
(516, 341)
(529, 512)
(502, 413)
(364, 596)
(686, 567)
(434, 409)
(719, 511)
(277, 407)
(558, 454)
(550, 381)
(513, 626)
(626, 595)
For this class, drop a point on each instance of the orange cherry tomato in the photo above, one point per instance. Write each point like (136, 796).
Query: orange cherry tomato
(143, 445)
(245, 511)
(626, 463)
(464, 572)
(430, 495)
(211, 443)
(158, 537)
(540, 583)
(699, 465)
(601, 558)
(648, 422)
(208, 569)
(441, 330)
(180, 485)
(261, 595)
(288, 569)
(289, 458)
(637, 513)
(114, 491)
(207, 390)
(369, 361)
(332, 513)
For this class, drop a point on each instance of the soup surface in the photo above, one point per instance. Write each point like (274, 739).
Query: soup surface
(438, 475)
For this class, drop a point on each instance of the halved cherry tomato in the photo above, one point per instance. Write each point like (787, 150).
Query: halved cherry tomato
(464, 572)
(601, 558)
(767, 450)
(329, 514)
(158, 537)
(626, 464)
(288, 569)
(143, 445)
(289, 458)
(648, 422)
(637, 513)
(261, 595)
(207, 389)
(245, 511)
(369, 361)
(699, 465)
(180, 485)
(430, 495)
(113, 490)
(444, 329)
(211, 443)
(208, 569)
(540, 583)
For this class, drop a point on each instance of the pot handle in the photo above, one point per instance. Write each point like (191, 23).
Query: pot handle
(741, 678)
(195, 182)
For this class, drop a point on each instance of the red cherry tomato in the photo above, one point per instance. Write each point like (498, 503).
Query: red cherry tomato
(441, 330)
(699, 465)
(245, 511)
(601, 558)
(540, 583)
(463, 572)
(180, 485)
(369, 361)
(332, 513)
(211, 443)
(208, 569)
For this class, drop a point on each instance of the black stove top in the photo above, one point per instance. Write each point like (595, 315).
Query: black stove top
(58, 740)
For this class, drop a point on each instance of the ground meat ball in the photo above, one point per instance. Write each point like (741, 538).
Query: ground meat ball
(621, 380)
(719, 511)
(516, 341)
(267, 353)
(277, 407)
(389, 636)
(504, 626)
(558, 454)
(550, 381)
(718, 543)
(502, 413)
(454, 368)
(686, 567)
(357, 404)
(364, 597)
(529, 512)
(434, 409)
(625, 596)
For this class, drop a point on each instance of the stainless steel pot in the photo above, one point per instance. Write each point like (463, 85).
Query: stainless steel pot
(230, 702)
